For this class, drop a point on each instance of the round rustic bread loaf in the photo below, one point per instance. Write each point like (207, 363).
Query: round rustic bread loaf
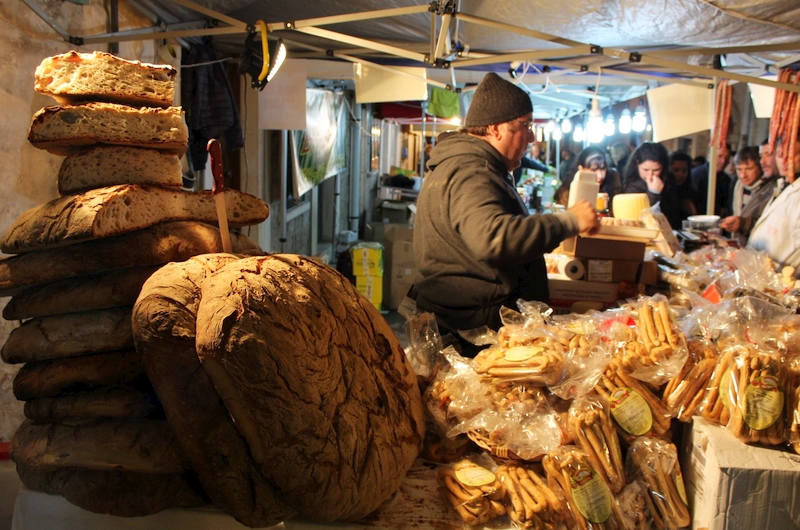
(164, 330)
(315, 380)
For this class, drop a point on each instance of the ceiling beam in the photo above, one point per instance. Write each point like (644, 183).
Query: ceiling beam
(701, 70)
(157, 33)
(364, 43)
(351, 17)
(582, 49)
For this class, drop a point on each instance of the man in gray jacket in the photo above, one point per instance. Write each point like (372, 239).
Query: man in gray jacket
(476, 247)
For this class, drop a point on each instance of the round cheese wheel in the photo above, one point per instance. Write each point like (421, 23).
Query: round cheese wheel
(630, 205)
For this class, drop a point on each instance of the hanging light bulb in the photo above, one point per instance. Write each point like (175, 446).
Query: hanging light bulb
(578, 134)
(557, 134)
(609, 127)
(625, 121)
(594, 126)
(550, 127)
(639, 120)
(539, 134)
(566, 126)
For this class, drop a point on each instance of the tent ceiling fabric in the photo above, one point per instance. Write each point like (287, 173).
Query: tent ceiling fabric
(677, 39)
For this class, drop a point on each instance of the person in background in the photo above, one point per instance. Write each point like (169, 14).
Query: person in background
(620, 153)
(681, 166)
(767, 160)
(751, 193)
(530, 163)
(724, 184)
(595, 160)
(698, 161)
(567, 165)
(777, 230)
(476, 247)
(648, 172)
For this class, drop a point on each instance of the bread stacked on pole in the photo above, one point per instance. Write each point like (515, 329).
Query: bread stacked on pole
(95, 431)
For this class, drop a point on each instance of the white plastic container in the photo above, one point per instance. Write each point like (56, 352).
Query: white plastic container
(583, 187)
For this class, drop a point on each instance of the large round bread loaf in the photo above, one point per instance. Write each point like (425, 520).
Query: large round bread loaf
(115, 210)
(314, 379)
(74, 77)
(120, 493)
(156, 245)
(164, 323)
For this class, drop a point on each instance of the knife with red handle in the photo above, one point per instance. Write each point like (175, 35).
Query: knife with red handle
(218, 191)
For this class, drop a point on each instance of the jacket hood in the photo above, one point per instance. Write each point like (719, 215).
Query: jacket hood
(461, 147)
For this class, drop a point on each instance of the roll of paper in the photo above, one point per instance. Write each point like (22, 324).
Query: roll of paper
(572, 268)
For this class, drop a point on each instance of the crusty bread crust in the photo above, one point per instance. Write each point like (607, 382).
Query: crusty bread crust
(99, 76)
(69, 335)
(101, 403)
(85, 293)
(63, 130)
(106, 165)
(103, 444)
(120, 209)
(156, 245)
(72, 375)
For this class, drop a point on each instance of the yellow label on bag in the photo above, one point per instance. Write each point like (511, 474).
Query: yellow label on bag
(518, 354)
(472, 474)
(679, 485)
(762, 404)
(591, 495)
(631, 411)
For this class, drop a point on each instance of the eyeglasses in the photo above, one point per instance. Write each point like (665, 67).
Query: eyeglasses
(528, 124)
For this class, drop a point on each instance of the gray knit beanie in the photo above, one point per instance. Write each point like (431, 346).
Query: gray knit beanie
(497, 101)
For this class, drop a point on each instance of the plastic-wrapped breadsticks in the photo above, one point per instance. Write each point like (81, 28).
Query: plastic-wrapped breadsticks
(659, 351)
(593, 431)
(716, 406)
(655, 462)
(589, 500)
(530, 502)
(793, 405)
(757, 391)
(636, 410)
(474, 491)
(684, 393)
(635, 505)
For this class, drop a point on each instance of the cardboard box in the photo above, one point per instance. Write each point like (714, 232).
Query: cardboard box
(376, 231)
(601, 248)
(733, 486)
(400, 281)
(367, 259)
(606, 270)
(578, 296)
(372, 288)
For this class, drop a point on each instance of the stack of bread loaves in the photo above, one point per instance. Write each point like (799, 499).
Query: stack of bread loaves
(266, 384)
(95, 431)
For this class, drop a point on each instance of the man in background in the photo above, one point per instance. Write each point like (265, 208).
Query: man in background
(724, 184)
(751, 193)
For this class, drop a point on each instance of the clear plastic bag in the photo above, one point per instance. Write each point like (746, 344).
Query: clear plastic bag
(473, 490)
(593, 431)
(589, 500)
(529, 500)
(655, 462)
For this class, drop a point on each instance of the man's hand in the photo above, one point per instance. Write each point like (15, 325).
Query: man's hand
(731, 224)
(587, 217)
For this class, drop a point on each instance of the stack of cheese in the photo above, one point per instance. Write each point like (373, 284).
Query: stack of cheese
(94, 431)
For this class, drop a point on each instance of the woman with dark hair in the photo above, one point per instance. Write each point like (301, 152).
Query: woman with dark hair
(595, 160)
(648, 171)
(681, 166)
